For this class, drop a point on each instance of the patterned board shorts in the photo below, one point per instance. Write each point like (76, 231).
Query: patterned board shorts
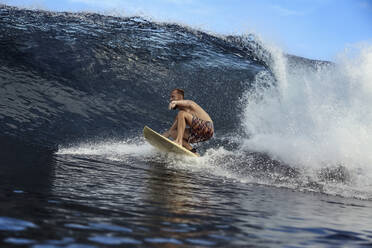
(200, 130)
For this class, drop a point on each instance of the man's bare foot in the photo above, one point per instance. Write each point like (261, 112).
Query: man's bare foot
(178, 142)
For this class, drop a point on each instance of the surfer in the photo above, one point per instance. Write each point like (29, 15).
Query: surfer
(190, 114)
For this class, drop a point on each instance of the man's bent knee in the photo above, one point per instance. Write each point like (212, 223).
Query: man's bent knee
(185, 115)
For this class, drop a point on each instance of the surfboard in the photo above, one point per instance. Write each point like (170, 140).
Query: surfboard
(164, 144)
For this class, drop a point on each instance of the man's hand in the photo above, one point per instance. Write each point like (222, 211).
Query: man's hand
(172, 105)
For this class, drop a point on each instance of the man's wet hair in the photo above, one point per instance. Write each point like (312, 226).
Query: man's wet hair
(180, 91)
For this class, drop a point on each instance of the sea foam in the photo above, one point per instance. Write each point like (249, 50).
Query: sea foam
(314, 118)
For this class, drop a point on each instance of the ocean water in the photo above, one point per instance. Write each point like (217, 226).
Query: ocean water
(289, 165)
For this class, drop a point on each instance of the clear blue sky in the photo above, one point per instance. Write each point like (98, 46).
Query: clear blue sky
(318, 29)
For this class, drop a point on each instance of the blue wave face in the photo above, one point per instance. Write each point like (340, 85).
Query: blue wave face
(69, 76)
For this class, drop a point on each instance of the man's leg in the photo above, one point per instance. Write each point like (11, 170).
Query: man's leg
(186, 136)
(183, 118)
(171, 130)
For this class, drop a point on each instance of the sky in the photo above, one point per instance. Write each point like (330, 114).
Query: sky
(316, 29)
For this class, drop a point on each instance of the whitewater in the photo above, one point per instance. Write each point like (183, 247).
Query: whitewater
(316, 119)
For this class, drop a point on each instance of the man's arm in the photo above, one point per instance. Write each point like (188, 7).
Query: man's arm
(181, 103)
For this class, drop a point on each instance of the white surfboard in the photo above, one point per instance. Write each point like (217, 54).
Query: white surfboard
(165, 144)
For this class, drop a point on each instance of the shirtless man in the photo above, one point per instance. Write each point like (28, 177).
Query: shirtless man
(191, 114)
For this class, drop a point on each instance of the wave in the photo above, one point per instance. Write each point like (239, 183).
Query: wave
(68, 76)
(95, 81)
